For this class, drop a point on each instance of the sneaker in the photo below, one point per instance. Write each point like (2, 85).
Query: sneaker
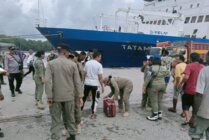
(19, 91)
(40, 106)
(126, 114)
(160, 115)
(153, 117)
(78, 129)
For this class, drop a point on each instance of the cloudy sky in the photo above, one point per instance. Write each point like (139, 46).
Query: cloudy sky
(18, 16)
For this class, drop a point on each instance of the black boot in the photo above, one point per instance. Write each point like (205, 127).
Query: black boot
(153, 117)
(72, 137)
(19, 91)
(13, 94)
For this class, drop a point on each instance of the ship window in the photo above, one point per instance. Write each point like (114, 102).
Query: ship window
(180, 7)
(147, 22)
(155, 22)
(187, 20)
(166, 10)
(191, 5)
(198, 5)
(164, 22)
(170, 21)
(151, 22)
(159, 22)
(200, 19)
(207, 18)
(193, 20)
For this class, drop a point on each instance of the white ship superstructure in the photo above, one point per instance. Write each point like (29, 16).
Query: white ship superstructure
(196, 13)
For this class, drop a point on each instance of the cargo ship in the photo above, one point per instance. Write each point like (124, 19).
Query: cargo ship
(126, 44)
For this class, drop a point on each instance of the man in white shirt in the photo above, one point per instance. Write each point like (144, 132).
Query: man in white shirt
(30, 61)
(93, 80)
(199, 121)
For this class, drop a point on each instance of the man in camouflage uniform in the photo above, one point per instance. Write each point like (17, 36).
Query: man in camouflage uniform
(62, 83)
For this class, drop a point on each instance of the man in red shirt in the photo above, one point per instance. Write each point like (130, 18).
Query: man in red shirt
(189, 81)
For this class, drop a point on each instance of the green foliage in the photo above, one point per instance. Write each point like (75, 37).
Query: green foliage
(25, 45)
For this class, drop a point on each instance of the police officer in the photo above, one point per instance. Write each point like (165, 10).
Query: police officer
(155, 83)
(39, 78)
(62, 83)
(121, 88)
(13, 66)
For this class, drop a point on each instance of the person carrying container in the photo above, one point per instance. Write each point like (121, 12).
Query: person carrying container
(121, 88)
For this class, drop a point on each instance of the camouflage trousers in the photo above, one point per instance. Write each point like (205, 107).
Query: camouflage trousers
(66, 109)
(39, 89)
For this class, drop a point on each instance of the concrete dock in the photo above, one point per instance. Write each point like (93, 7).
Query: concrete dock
(21, 120)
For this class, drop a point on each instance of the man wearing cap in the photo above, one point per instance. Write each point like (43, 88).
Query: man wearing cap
(62, 83)
(13, 66)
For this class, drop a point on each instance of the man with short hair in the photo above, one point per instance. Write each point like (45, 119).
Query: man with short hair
(199, 121)
(62, 85)
(166, 61)
(93, 80)
(52, 55)
(14, 70)
(190, 80)
(178, 76)
(30, 61)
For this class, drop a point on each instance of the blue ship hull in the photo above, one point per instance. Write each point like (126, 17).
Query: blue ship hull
(118, 49)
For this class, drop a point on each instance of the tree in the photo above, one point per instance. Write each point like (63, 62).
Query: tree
(25, 45)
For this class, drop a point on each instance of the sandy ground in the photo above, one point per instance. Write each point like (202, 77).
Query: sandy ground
(20, 120)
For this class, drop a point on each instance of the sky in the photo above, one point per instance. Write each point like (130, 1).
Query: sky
(18, 17)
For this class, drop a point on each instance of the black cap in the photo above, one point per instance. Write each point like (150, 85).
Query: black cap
(63, 47)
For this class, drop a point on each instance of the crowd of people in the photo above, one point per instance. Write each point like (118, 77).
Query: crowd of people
(70, 78)
(190, 81)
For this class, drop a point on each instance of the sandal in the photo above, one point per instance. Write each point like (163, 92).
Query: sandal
(185, 123)
(171, 110)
